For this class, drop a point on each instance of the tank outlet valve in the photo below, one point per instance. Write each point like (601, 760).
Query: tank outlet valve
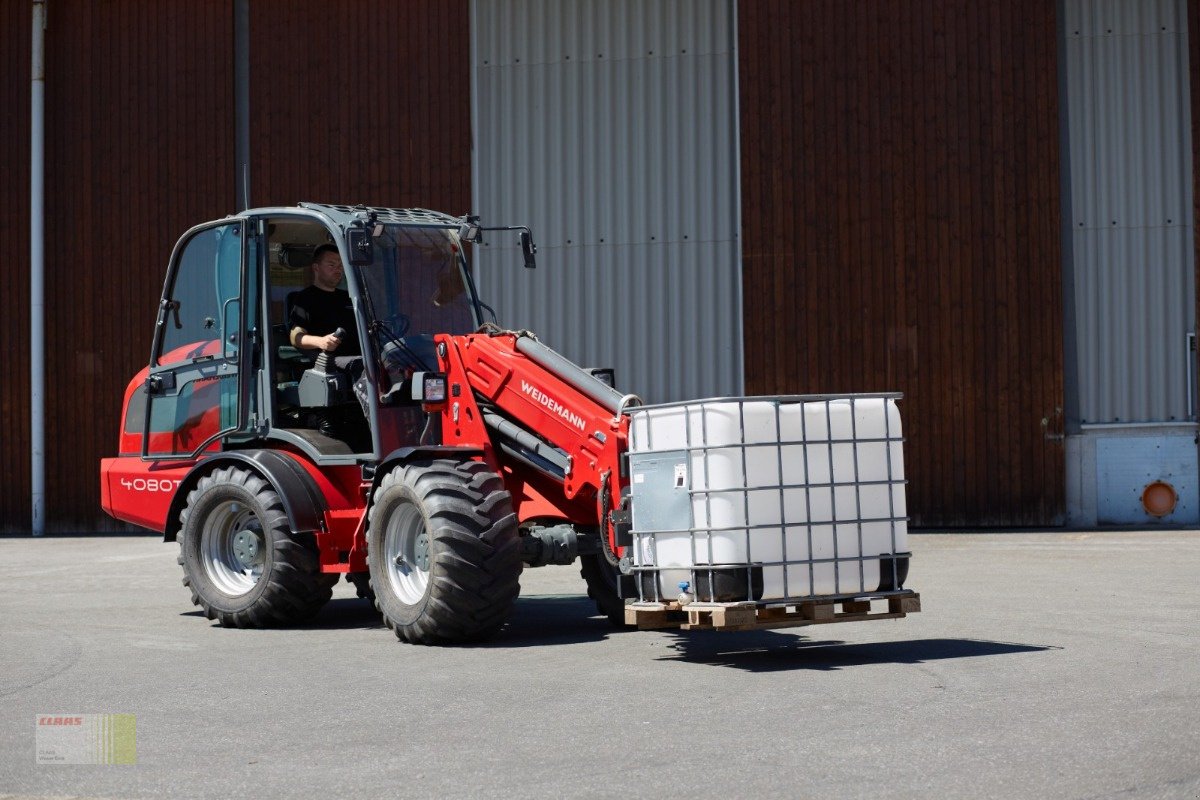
(685, 597)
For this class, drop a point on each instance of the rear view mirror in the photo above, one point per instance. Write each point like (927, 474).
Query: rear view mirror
(528, 250)
(471, 231)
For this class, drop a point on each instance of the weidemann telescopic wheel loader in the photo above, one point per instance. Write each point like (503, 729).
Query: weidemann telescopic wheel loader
(452, 453)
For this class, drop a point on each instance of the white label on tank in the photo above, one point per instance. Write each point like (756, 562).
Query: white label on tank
(639, 478)
(680, 476)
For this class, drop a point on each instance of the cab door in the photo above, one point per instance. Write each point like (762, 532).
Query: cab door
(193, 389)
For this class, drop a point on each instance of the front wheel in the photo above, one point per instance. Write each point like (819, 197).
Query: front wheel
(443, 551)
(243, 564)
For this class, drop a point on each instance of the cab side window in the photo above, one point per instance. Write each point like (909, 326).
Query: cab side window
(194, 369)
(205, 286)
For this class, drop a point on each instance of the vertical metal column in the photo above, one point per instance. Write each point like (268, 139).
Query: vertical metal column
(241, 101)
(739, 251)
(37, 303)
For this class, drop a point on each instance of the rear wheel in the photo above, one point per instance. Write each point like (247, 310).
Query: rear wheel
(444, 552)
(244, 566)
(601, 578)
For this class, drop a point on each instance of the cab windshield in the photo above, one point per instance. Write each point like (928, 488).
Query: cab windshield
(415, 288)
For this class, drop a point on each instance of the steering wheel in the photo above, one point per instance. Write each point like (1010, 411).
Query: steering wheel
(397, 325)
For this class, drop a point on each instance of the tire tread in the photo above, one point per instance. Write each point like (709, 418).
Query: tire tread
(296, 590)
(475, 578)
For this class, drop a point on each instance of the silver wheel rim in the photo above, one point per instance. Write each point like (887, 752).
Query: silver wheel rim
(233, 548)
(406, 553)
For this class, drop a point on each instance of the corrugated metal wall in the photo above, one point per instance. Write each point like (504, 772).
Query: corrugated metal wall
(610, 128)
(15, 74)
(364, 102)
(1132, 226)
(900, 207)
(137, 149)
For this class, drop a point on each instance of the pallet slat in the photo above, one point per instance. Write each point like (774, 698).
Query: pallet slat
(749, 616)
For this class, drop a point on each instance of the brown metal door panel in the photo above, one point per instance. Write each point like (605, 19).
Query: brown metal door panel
(139, 146)
(15, 27)
(360, 102)
(364, 102)
(901, 231)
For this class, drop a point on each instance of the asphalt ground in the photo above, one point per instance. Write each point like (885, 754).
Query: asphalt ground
(1044, 665)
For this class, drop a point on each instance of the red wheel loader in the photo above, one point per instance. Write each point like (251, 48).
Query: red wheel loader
(451, 454)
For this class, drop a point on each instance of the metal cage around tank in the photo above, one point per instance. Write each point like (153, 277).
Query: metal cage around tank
(663, 483)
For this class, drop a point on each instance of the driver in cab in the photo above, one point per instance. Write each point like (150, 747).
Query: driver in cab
(319, 310)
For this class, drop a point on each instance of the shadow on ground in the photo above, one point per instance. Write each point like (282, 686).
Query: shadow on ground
(546, 620)
(535, 620)
(541, 620)
(342, 613)
(768, 651)
(567, 619)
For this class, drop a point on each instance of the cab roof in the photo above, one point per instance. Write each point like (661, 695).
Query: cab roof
(344, 214)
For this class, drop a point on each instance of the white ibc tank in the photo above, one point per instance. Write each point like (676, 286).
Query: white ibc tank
(810, 490)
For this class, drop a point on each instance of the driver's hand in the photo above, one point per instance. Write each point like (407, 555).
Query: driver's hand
(329, 343)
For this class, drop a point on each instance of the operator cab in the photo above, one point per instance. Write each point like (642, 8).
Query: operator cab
(414, 286)
(224, 373)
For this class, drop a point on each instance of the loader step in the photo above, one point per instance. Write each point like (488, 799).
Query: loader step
(749, 616)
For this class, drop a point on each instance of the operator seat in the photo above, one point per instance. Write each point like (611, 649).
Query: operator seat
(290, 361)
(288, 304)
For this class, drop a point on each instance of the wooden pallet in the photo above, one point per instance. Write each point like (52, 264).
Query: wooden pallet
(751, 616)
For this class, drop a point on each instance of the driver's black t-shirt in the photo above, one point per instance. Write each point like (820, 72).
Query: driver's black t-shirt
(320, 313)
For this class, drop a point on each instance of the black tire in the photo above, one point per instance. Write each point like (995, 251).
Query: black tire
(444, 552)
(601, 578)
(244, 566)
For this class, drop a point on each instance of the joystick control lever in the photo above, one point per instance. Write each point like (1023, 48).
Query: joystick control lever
(322, 362)
(324, 384)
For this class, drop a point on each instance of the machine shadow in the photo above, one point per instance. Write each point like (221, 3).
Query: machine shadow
(540, 620)
(535, 621)
(768, 651)
(340, 613)
(347, 613)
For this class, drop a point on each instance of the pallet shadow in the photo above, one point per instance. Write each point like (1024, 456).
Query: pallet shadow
(768, 651)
